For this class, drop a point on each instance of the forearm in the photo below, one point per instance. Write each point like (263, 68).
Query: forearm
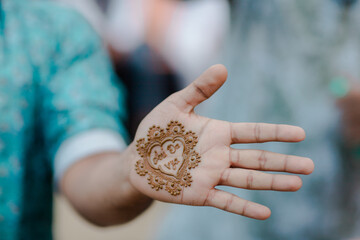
(98, 187)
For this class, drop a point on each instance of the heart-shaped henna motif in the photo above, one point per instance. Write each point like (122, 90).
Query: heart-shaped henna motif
(167, 157)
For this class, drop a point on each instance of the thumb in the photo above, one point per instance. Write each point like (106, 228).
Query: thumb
(202, 88)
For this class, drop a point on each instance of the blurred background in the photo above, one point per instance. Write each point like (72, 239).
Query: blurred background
(293, 62)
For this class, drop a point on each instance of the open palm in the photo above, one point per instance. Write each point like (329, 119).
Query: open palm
(217, 163)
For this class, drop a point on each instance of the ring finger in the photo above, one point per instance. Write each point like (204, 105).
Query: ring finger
(256, 180)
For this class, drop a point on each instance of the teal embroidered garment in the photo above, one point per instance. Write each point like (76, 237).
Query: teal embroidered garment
(55, 81)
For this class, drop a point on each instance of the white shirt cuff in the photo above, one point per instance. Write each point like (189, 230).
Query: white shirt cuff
(83, 145)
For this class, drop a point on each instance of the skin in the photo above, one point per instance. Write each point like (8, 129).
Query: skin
(106, 189)
(158, 17)
(349, 106)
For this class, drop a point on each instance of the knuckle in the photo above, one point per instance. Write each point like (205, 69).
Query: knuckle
(250, 180)
(235, 158)
(286, 161)
(244, 208)
(229, 203)
(200, 90)
(225, 176)
(209, 198)
(277, 131)
(257, 132)
(272, 184)
(262, 159)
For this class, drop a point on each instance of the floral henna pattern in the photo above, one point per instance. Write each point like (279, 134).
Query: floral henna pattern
(167, 157)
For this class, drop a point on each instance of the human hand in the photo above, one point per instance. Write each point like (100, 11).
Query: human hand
(185, 156)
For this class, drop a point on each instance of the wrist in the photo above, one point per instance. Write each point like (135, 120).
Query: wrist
(128, 186)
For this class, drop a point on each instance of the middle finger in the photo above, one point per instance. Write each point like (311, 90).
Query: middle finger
(255, 180)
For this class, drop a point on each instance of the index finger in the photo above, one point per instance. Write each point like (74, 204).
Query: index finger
(265, 132)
